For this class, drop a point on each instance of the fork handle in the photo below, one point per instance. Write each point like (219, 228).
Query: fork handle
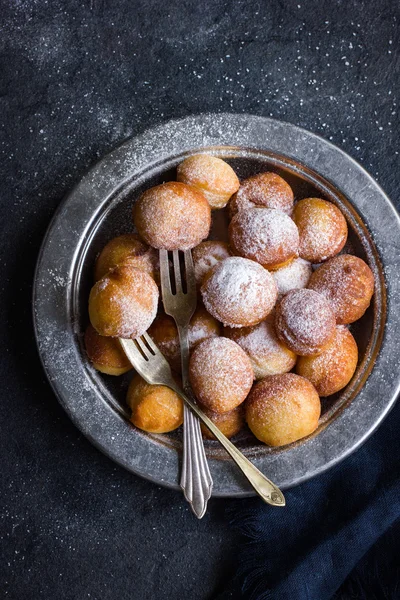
(196, 481)
(267, 490)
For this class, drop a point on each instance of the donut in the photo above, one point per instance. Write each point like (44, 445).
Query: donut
(127, 249)
(266, 235)
(206, 255)
(172, 216)
(105, 353)
(123, 303)
(267, 354)
(331, 370)
(165, 334)
(264, 190)
(239, 292)
(220, 374)
(347, 282)
(211, 176)
(282, 409)
(322, 229)
(155, 408)
(293, 276)
(305, 322)
(229, 423)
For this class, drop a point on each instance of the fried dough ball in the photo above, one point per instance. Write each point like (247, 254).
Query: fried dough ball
(127, 249)
(165, 334)
(172, 216)
(123, 303)
(211, 176)
(264, 190)
(220, 374)
(293, 276)
(331, 370)
(282, 409)
(239, 292)
(305, 322)
(267, 354)
(347, 283)
(265, 235)
(155, 408)
(206, 255)
(229, 423)
(322, 229)
(105, 353)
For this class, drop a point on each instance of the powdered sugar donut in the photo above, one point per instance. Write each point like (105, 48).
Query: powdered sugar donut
(239, 292)
(123, 303)
(267, 353)
(172, 216)
(211, 176)
(347, 282)
(322, 229)
(331, 370)
(220, 373)
(264, 235)
(127, 249)
(282, 409)
(305, 322)
(264, 190)
(293, 276)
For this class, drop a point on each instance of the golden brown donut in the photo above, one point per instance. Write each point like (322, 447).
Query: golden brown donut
(305, 322)
(267, 354)
(165, 334)
(334, 367)
(220, 374)
(206, 255)
(264, 190)
(265, 235)
(282, 409)
(239, 292)
(155, 408)
(127, 249)
(172, 216)
(211, 176)
(229, 423)
(123, 303)
(105, 353)
(347, 283)
(293, 276)
(322, 229)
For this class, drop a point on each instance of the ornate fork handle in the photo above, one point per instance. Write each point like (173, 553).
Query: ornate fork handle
(196, 481)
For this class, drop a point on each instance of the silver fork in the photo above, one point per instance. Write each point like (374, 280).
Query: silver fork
(152, 366)
(196, 481)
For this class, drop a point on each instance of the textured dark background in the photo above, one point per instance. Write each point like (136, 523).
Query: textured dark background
(76, 78)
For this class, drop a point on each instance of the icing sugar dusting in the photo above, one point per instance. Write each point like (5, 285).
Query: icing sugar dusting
(238, 290)
(294, 276)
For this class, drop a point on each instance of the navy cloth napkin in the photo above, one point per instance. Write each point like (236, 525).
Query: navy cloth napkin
(338, 537)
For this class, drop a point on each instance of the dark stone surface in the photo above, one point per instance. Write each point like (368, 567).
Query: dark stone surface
(76, 79)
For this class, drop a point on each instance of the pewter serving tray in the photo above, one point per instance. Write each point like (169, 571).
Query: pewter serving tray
(99, 208)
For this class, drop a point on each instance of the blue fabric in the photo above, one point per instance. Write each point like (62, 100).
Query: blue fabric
(338, 537)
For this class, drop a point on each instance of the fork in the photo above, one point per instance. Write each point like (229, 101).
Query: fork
(196, 481)
(153, 367)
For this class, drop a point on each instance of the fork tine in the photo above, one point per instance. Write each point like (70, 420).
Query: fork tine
(150, 343)
(133, 352)
(177, 271)
(189, 272)
(164, 272)
(141, 344)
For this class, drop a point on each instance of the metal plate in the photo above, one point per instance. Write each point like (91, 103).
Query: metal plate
(100, 208)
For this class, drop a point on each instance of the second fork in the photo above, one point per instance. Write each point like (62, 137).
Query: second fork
(180, 303)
